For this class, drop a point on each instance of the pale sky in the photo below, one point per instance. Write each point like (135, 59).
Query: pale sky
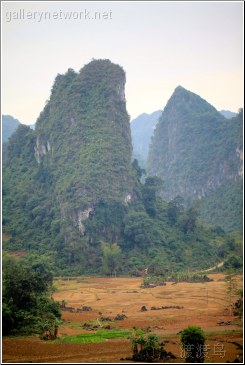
(160, 45)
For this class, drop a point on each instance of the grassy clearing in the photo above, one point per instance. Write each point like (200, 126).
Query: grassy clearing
(98, 336)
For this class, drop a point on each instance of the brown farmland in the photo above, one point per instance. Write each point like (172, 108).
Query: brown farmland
(201, 304)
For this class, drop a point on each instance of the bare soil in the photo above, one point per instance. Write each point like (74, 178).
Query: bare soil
(204, 305)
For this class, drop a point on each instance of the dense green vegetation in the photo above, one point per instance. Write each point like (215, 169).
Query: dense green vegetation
(125, 238)
(224, 208)
(26, 304)
(71, 192)
(196, 151)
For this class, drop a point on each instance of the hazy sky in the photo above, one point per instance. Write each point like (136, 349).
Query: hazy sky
(160, 45)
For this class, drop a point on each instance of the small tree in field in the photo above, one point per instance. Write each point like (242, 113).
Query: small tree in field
(148, 349)
(193, 344)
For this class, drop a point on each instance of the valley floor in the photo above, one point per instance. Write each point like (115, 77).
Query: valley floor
(203, 304)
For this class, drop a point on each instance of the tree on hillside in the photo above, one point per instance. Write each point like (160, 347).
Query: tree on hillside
(138, 229)
(233, 263)
(139, 171)
(188, 220)
(175, 208)
(151, 189)
(42, 266)
(111, 258)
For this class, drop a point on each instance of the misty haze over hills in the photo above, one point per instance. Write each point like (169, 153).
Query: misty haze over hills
(228, 114)
(142, 129)
(9, 126)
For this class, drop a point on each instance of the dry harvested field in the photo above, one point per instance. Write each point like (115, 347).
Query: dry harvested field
(203, 304)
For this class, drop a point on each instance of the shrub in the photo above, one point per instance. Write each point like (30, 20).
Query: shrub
(193, 340)
(148, 349)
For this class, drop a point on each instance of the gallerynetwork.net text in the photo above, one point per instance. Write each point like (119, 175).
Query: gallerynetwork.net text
(40, 16)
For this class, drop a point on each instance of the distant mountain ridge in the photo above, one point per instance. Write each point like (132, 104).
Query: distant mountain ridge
(9, 126)
(142, 129)
(228, 114)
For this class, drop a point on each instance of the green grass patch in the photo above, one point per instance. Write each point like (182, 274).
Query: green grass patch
(98, 336)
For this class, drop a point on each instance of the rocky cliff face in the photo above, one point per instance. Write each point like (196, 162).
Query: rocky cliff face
(195, 150)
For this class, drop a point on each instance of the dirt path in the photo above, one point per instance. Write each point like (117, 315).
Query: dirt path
(211, 268)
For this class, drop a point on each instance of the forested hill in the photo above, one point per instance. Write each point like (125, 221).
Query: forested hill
(71, 193)
(198, 152)
(83, 138)
(79, 154)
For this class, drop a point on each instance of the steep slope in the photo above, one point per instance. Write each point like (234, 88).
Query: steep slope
(84, 134)
(142, 129)
(9, 126)
(195, 150)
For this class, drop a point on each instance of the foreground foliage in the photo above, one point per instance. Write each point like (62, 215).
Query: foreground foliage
(27, 307)
(148, 348)
(193, 341)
